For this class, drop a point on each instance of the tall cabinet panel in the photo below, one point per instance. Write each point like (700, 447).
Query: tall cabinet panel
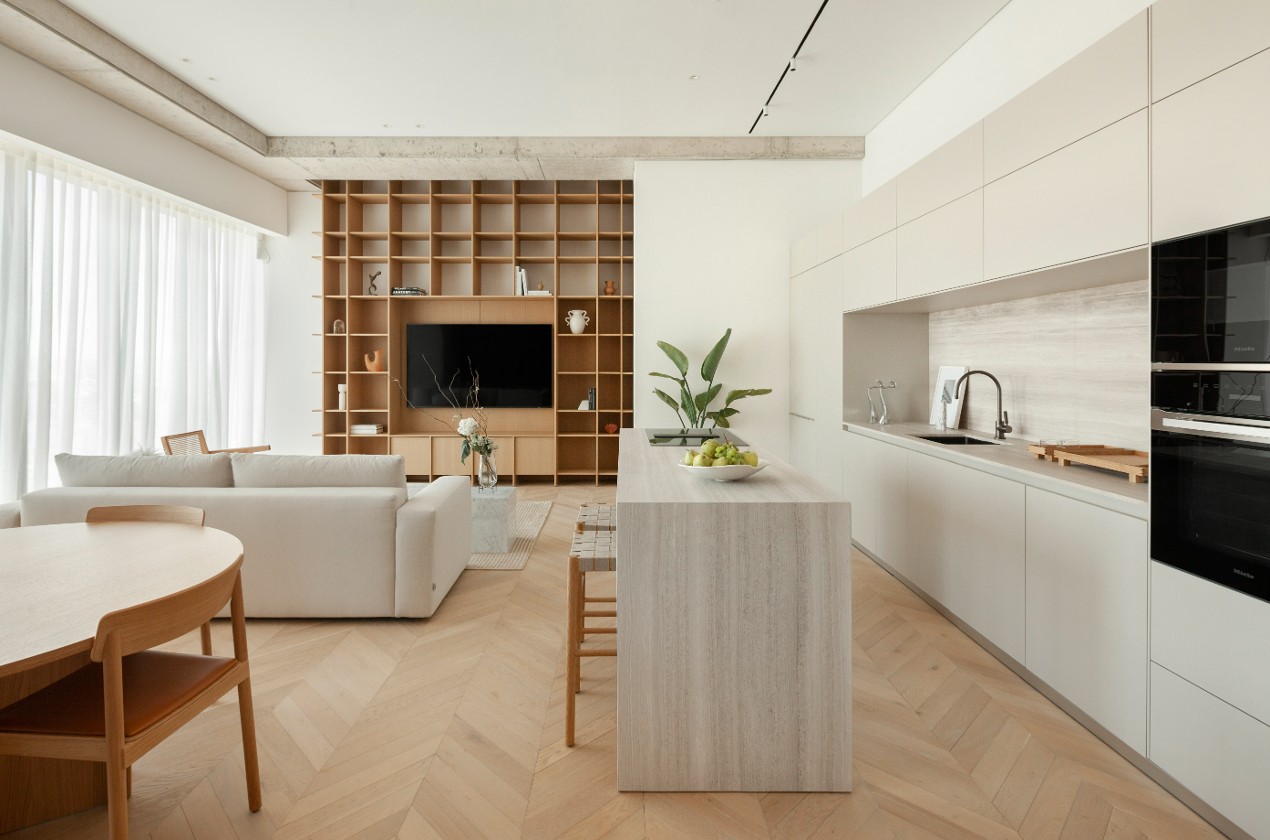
(815, 306)
(396, 253)
(1193, 39)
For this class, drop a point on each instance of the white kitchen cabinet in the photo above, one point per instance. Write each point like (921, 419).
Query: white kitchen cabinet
(984, 557)
(1087, 609)
(802, 254)
(1209, 634)
(890, 479)
(941, 250)
(1104, 83)
(802, 438)
(869, 273)
(1087, 199)
(953, 170)
(829, 238)
(929, 511)
(859, 488)
(815, 375)
(870, 217)
(805, 345)
(1209, 145)
(1215, 750)
(1193, 39)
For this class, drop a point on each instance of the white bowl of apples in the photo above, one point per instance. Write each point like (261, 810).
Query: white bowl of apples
(721, 461)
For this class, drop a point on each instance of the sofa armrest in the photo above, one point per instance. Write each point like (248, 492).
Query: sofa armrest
(434, 544)
(10, 515)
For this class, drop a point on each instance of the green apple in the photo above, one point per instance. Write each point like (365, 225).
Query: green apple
(750, 458)
(708, 448)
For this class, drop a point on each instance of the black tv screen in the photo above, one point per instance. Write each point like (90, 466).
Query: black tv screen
(513, 361)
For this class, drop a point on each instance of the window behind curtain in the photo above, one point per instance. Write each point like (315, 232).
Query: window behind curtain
(124, 316)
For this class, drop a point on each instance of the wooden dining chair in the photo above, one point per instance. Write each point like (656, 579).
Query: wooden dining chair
(195, 443)
(179, 514)
(129, 698)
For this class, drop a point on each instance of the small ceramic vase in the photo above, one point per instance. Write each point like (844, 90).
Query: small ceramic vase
(610, 288)
(577, 320)
(610, 428)
(342, 390)
(374, 361)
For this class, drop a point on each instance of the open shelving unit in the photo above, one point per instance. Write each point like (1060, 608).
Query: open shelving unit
(461, 242)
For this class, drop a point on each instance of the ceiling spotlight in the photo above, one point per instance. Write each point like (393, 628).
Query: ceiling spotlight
(793, 64)
(766, 113)
(186, 60)
(211, 78)
(693, 77)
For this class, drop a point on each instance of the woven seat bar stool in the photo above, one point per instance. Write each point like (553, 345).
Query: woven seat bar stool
(596, 516)
(594, 549)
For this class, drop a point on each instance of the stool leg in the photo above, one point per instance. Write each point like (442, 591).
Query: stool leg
(581, 622)
(572, 644)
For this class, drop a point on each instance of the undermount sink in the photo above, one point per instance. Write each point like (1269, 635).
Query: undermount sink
(957, 440)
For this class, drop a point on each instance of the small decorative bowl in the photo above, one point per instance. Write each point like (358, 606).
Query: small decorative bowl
(734, 472)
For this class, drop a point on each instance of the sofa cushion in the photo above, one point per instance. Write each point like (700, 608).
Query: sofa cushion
(319, 471)
(144, 470)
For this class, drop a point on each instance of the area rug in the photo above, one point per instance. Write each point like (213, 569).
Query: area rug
(527, 522)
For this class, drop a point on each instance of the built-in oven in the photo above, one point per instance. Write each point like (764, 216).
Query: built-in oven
(1210, 475)
(1210, 297)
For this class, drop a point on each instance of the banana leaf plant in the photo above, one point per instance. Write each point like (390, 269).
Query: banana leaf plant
(693, 409)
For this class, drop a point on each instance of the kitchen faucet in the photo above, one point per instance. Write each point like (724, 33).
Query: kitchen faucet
(1003, 417)
(880, 388)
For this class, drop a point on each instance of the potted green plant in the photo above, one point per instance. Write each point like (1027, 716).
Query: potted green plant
(694, 407)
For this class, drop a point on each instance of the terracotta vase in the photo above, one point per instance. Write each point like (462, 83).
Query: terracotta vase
(374, 361)
(610, 288)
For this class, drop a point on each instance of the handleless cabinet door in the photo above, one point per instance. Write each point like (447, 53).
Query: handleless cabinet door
(860, 487)
(1104, 83)
(1193, 39)
(1084, 200)
(929, 513)
(803, 344)
(870, 217)
(1087, 609)
(984, 584)
(941, 250)
(1209, 145)
(890, 477)
(953, 170)
(869, 273)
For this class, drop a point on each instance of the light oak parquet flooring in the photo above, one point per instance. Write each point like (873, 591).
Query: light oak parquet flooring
(453, 728)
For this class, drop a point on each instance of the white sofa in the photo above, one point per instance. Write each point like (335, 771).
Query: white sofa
(324, 536)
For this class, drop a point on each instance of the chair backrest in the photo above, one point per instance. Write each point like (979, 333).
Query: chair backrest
(186, 443)
(179, 514)
(164, 619)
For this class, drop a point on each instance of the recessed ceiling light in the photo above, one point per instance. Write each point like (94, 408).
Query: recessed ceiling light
(186, 60)
(386, 125)
(693, 77)
(211, 78)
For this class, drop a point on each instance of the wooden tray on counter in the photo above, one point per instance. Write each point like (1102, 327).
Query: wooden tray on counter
(1131, 462)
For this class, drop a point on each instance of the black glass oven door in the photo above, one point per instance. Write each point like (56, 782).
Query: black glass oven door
(1210, 508)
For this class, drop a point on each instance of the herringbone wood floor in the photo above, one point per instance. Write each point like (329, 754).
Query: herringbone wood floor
(452, 728)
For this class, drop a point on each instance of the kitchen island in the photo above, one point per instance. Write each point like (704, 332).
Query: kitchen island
(734, 642)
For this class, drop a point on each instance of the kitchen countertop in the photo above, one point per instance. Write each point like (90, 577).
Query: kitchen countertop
(1011, 460)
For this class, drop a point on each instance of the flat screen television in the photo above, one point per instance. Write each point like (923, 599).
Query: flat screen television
(513, 361)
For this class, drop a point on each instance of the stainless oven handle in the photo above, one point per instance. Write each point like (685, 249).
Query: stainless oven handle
(1230, 430)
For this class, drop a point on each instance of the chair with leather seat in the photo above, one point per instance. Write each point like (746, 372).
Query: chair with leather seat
(129, 698)
(195, 443)
(179, 514)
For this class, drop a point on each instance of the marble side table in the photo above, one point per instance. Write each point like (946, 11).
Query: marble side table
(492, 514)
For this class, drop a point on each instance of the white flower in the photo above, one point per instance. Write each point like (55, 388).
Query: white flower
(468, 426)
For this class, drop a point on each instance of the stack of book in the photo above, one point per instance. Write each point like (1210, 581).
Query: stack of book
(366, 429)
(408, 291)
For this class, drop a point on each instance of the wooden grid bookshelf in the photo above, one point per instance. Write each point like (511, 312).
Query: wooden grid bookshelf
(461, 241)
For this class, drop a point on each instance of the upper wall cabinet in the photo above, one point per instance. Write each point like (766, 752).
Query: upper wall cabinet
(869, 217)
(942, 249)
(1084, 200)
(869, 273)
(948, 173)
(1209, 147)
(1104, 83)
(1193, 39)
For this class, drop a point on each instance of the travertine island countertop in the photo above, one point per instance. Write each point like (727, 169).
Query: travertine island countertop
(734, 628)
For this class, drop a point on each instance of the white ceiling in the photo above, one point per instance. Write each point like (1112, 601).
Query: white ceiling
(552, 68)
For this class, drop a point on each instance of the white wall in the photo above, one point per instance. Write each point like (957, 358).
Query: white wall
(293, 316)
(1023, 43)
(39, 105)
(712, 245)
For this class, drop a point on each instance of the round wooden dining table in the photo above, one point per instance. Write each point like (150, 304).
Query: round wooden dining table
(56, 583)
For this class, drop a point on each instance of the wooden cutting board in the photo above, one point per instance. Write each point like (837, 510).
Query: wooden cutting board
(1131, 462)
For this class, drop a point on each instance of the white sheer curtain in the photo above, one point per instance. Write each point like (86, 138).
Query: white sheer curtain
(124, 316)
